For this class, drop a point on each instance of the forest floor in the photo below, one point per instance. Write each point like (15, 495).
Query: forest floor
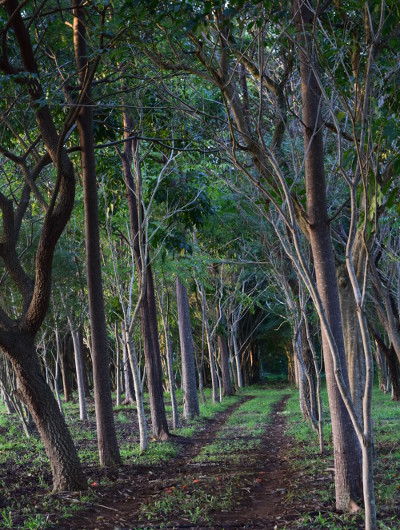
(248, 462)
(247, 490)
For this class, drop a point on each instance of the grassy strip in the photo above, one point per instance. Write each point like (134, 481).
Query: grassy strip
(242, 432)
(309, 465)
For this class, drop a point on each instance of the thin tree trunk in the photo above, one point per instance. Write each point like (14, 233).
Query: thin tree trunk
(191, 400)
(117, 366)
(128, 376)
(237, 357)
(106, 435)
(211, 356)
(79, 371)
(57, 371)
(170, 359)
(144, 439)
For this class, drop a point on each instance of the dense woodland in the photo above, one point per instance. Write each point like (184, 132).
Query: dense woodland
(199, 195)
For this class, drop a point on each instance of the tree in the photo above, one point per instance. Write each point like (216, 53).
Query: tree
(106, 436)
(190, 398)
(17, 335)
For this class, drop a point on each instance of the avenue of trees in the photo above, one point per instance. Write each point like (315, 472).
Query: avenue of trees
(193, 193)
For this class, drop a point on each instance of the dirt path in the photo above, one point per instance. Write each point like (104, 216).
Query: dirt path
(252, 493)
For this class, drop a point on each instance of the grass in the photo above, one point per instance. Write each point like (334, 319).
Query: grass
(195, 499)
(386, 416)
(242, 432)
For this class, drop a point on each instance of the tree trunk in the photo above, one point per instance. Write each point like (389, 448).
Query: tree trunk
(224, 356)
(347, 451)
(143, 436)
(152, 354)
(351, 329)
(128, 376)
(65, 371)
(79, 371)
(225, 368)
(148, 313)
(40, 401)
(237, 357)
(106, 436)
(169, 358)
(117, 366)
(190, 397)
(85, 374)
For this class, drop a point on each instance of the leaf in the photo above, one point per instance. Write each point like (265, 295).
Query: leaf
(394, 194)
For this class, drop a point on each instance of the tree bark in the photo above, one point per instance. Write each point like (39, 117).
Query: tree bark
(225, 368)
(39, 400)
(347, 451)
(190, 397)
(79, 371)
(106, 435)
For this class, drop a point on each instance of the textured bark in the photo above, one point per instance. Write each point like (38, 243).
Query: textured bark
(347, 451)
(190, 397)
(106, 436)
(40, 401)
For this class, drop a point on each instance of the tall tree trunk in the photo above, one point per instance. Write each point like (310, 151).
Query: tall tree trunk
(127, 344)
(128, 376)
(237, 357)
(148, 313)
(65, 371)
(225, 368)
(79, 371)
(85, 374)
(347, 451)
(190, 397)
(169, 358)
(17, 337)
(106, 435)
(211, 356)
(117, 366)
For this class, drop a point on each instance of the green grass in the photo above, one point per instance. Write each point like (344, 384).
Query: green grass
(195, 500)
(243, 430)
(386, 416)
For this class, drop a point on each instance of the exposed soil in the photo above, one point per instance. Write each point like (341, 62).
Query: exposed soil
(261, 493)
